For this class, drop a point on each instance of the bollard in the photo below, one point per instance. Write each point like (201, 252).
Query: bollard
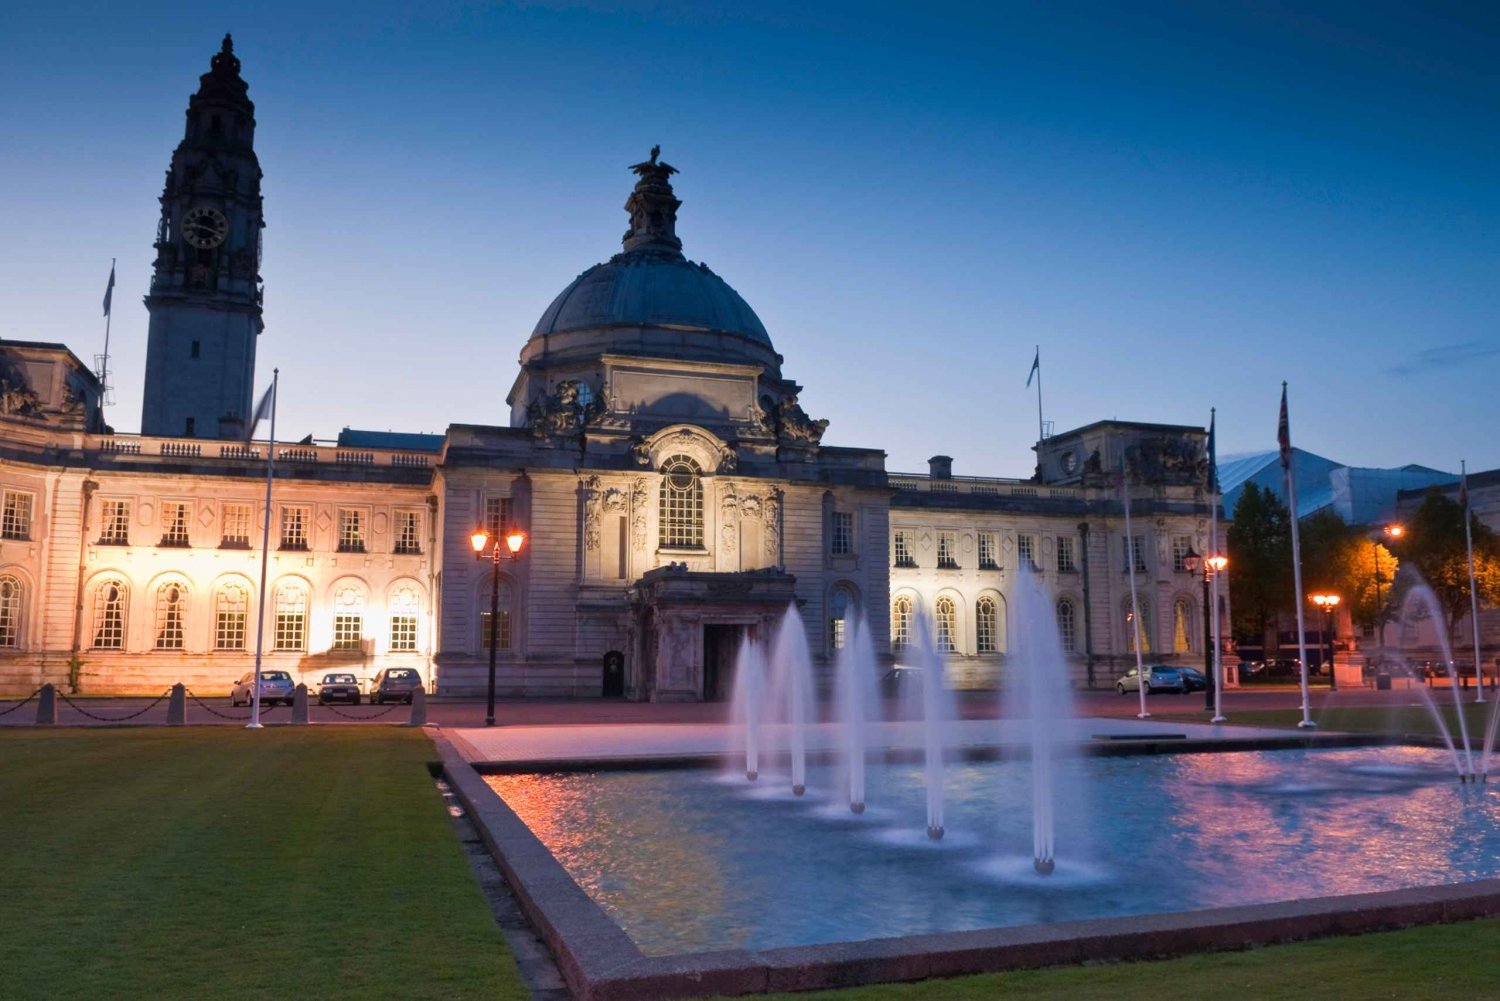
(177, 706)
(299, 705)
(46, 705)
(418, 708)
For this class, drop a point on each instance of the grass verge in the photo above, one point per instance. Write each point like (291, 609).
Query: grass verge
(223, 863)
(1409, 719)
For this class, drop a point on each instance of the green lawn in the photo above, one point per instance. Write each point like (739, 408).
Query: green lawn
(216, 862)
(1362, 719)
(1432, 963)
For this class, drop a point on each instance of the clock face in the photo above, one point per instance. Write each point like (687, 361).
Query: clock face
(204, 227)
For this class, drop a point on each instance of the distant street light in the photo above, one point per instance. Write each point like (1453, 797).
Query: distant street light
(1328, 602)
(479, 539)
(1212, 565)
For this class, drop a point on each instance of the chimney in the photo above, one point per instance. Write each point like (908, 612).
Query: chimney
(940, 467)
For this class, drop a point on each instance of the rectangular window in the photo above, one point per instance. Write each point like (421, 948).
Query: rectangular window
(1066, 554)
(174, 523)
(1137, 547)
(905, 548)
(347, 631)
(234, 526)
(229, 628)
(843, 533)
(947, 554)
(988, 551)
(403, 633)
(351, 530)
(836, 633)
(1026, 552)
(294, 528)
(408, 532)
(1181, 544)
(291, 630)
(502, 630)
(15, 523)
(498, 516)
(114, 523)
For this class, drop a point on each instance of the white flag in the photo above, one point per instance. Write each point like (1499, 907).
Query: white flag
(262, 411)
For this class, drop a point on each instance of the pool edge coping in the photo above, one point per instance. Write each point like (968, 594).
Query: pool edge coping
(600, 962)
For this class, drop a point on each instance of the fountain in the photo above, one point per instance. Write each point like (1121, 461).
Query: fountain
(748, 701)
(854, 686)
(1420, 603)
(792, 690)
(937, 716)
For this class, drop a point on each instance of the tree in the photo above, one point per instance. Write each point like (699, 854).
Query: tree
(1260, 563)
(1341, 559)
(1434, 547)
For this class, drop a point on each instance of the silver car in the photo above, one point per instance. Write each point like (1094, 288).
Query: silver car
(275, 686)
(1158, 679)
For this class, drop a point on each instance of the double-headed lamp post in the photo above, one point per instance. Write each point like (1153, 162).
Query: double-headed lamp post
(1211, 565)
(479, 539)
(1328, 602)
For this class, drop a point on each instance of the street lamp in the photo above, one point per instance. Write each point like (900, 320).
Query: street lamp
(1211, 565)
(1328, 602)
(479, 539)
(1392, 531)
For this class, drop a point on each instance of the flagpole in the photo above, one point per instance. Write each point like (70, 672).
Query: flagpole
(1213, 547)
(109, 294)
(1040, 425)
(1473, 590)
(265, 551)
(1135, 605)
(1291, 496)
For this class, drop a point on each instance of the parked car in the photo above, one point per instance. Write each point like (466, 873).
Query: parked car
(338, 688)
(899, 680)
(275, 686)
(1193, 680)
(394, 684)
(1158, 679)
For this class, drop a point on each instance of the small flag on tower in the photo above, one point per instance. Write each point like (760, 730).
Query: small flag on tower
(1463, 490)
(1284, 433)
(262, 410)
(1036, 366)
(1213, 455)
(109, 290)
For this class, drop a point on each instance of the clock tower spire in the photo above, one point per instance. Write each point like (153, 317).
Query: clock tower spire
(205, 299)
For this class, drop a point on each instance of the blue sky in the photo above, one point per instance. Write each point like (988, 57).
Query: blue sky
(1182, 204)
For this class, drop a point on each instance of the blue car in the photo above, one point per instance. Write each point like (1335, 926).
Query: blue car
(1158, 679)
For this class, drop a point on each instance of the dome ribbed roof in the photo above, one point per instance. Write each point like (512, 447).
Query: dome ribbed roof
(651, 288)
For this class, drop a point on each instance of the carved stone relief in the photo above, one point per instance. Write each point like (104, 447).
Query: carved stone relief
(728, 519)
(773, 526)
(638, 495)
(591, 513)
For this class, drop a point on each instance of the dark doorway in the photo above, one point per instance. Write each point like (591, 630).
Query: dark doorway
(721, 645)
(614, 675)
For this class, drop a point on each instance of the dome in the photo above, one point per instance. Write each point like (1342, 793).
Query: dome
(643, 288)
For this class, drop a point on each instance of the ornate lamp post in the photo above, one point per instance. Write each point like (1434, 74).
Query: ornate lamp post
(1328, 602)
(1392, 531)
(479, 539)
(1211, 565)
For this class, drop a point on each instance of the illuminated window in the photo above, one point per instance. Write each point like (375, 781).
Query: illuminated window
(1067, 624)
(11, 594)
(946, 614)
(348, 618)
(15, 522)
(114, 523)
(291, 618)
(294, 528)
(1182, 626)
(351, 530)
(109, 615)
(988, 551)
(947, 554)
(840, 608)
(842, 543)
(1180, 546)
(681, 504)
(1066, 558)
(234, 526)
(1143, 629)
(231, 608)
(905, 548)
(1026, 552)
(408, 532)
(985, 625)
(502, 623)
(901, 622)
(171, 608)
(174, 523)
(404, 608)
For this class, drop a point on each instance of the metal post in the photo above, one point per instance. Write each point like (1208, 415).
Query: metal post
(489, 715)
(1379, 604)
(1333, 639)
(1208, 642)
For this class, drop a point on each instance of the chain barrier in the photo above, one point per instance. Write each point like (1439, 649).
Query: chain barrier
(340, 712)
(116, 719)
(212, 711)
(18, 705)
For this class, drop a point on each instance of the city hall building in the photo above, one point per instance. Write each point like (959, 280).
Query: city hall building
(674, 493)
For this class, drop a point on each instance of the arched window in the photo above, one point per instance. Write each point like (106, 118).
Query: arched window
(985, 626)
(11, 593)
(502, 621)
(1067, 624)
(840, 610)
(947, 624)
(1141, 629)
(1182, 626)
(110, 599)
(349, 618)
(900, 622)
(681, 504)
(231, 608)
(405, 605)
(171, 609)
(291, 618)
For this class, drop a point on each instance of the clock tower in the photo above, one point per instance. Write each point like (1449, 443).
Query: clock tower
(205, 300)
